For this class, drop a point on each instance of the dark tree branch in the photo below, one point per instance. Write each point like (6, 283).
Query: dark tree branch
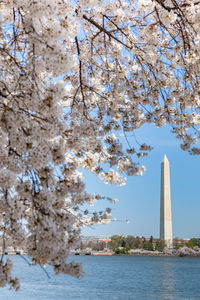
(105, 31)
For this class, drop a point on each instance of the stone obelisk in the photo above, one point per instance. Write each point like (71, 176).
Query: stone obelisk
(165, 205)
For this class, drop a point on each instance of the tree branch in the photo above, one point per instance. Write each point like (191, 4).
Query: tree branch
(106, 31)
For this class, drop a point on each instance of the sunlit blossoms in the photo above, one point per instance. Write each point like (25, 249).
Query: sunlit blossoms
(77, 79)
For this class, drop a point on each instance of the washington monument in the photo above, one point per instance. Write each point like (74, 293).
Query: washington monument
(165, 205)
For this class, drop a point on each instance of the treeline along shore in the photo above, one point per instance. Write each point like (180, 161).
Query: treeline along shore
(137, 246)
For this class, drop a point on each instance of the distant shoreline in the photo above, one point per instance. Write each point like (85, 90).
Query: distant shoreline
(152, 254)
(186, 252)
(128, 255)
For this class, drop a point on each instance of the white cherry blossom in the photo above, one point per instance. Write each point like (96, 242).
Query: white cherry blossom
(77, 78)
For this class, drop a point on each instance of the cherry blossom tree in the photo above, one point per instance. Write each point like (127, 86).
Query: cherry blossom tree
(76, 78)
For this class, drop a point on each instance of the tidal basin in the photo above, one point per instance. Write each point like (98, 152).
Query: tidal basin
(111, 278)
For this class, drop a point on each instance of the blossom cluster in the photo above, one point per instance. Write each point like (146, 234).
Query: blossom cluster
(5, 275)
(76, 80)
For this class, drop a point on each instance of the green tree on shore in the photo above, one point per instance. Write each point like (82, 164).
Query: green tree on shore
(160, 245)
(193, 242)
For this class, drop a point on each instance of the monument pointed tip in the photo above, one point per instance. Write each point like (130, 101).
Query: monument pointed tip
(165, 159)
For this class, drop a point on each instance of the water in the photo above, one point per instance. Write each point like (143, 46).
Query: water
(112, 278)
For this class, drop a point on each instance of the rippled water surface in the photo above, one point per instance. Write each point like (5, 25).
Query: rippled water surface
(112, 277)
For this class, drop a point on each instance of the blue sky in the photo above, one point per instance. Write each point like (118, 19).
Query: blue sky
(139, 199)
